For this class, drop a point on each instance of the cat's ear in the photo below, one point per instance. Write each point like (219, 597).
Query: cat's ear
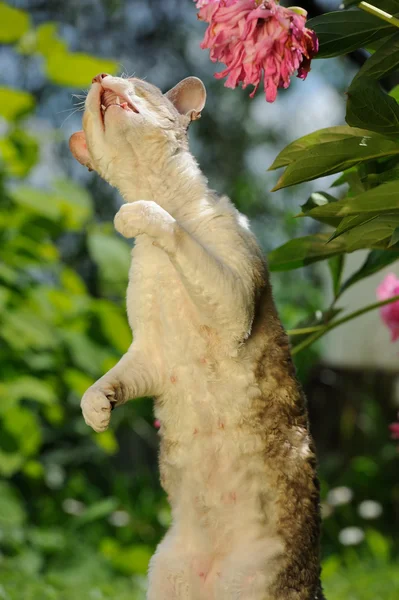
(188, 97)
(78, 147)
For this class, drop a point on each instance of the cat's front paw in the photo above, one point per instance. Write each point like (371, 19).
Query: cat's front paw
(96, 408)
(145, 216)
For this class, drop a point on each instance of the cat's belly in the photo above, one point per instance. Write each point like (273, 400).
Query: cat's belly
(216, 482)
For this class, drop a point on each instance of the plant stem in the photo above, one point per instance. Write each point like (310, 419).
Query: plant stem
(381, 14)
(303, 330)
(321, 331)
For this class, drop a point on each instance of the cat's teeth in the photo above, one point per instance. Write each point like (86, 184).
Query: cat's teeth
(118, 100)
(103, 107)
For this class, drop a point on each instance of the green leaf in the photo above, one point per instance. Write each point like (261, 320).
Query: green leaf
(320, 199)
(68, 200)
(369, 106)
(112, 255)
(85, 354)
(19, 151)
(98, 510)
(13, 23)
(348, 147)
(371, 234)
(15, 103)
(383, 62)
(375, 261)
(23, 330)
(114, 326)
(47, 40)
(378, 545)
(304, 251)
(76, 69)
(12, 513)
(294, 151)
(384, 198)
(24, 427)
(352, 178)
(344, 31)
(30, 388)
(38, 201)
(395, 93)
(395, 238)
(349, 223)
(336, 266)
(74, 202)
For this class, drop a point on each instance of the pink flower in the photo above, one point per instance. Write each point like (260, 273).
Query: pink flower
(394, 428)
(157, 423)
(390, 313)
(255, 39)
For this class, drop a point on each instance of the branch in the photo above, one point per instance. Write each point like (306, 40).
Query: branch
(320, 330)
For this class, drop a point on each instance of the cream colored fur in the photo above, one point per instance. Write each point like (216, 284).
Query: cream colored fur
(190, 304)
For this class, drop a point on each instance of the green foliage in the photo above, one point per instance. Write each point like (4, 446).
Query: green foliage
(58, 512)
(14, 23)
(345, 31)
(366, 215)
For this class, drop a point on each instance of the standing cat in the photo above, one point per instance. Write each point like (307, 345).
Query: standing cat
(236, 458)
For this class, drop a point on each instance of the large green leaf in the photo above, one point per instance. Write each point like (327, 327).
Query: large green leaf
(15, 103)
(13, 23)
(375, 261)
(339, 149)
(384, 60)
(384, 198)
(344, 31)
(329, 135)
(369, 106)
(76, 69)
(304, 251)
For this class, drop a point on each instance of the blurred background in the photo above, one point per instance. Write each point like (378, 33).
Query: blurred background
(81, 513)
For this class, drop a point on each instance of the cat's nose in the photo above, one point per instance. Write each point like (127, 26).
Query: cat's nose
(98, 78)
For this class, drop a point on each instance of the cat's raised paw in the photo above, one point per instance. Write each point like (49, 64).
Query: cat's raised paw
(96, 408)
(146, 216)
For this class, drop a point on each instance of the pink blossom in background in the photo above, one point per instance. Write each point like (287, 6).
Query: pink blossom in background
(255, 39)
(388, 288)
(394, 428)
(157, 424)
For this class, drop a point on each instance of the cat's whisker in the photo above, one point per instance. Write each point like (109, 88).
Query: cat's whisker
(70, 115)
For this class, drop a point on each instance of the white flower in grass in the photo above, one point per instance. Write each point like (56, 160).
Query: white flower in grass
(351, 536)
(119, 518)
(339, 496)
(369, 509)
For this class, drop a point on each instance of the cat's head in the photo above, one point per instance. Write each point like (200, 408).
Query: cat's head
(130, 118)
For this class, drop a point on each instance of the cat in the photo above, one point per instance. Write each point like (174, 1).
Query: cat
(236, 458)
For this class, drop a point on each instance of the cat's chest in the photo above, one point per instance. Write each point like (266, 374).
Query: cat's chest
(157, 301)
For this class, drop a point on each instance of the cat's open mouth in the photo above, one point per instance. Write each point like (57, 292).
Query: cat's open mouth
(111, 98)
